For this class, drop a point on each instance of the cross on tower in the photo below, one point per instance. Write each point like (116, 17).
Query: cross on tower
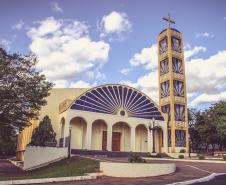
(169, 20)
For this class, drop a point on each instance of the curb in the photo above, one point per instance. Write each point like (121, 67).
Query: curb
(203, 179)
(88, 176)
(186, 160)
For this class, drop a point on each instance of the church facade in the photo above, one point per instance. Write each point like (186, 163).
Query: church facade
(119, 118)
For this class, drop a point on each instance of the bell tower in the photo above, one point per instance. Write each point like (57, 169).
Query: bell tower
(172, 86)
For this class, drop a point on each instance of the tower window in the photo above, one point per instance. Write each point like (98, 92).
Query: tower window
(163, 46)
(164, 67)
(165, 91)
(178, 88)
(166, 109)
(179, 112)
(177, 65)
(180, 138)
(176, 44)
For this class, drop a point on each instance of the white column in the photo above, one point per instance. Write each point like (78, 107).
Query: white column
(150, 144)
(109, 137)
(66, 130)
(165, 139)
(88, 135)
(133, 139)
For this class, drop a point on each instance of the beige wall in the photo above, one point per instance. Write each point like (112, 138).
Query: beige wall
(58, 95)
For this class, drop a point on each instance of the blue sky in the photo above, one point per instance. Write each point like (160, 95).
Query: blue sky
(85, 43)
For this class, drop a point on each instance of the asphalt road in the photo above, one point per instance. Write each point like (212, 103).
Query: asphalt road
(219, 180)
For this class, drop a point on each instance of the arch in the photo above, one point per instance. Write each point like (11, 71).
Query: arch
(78, 133)
(99, 135)
(113, 98)
(121, 136)
(141, 138)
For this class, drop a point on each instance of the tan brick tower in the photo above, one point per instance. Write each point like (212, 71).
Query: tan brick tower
(172, 86)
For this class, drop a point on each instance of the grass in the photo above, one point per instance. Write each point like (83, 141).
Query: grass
(74, 166)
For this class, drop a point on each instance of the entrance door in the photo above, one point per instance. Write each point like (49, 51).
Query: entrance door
(116, 137)
(104, 140)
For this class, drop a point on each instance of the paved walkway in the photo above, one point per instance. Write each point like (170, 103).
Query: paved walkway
(8, 169)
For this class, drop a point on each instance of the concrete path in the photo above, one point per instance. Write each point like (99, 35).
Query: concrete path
(8, 169)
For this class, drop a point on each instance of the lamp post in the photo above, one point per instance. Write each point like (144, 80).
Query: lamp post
(152, 128)
(189, 145)
(69, 142)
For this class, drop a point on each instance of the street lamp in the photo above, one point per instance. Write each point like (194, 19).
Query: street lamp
(189, 145)
(69, 142)
(152, 127)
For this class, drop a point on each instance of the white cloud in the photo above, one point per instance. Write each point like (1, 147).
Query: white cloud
(204, 35)
(208, 98)
(5, 44)
(224, 18)
(80, 84)
(191, 52)
(19, 25)
(207, 75)
(125, 71)
(65, 50)
(147, 84)
(115, 23)
(56, 7)
(147, 57)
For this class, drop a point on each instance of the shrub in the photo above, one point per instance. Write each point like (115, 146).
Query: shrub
(201, 157)
(159, 155)
(149, 154)
(224, 157)
(182, 150)
(136, 159)
(181, 156)
(44, 135)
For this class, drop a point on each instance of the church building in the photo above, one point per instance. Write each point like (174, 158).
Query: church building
(119, 118)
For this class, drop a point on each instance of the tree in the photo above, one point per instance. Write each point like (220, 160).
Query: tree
(44, 134)
(194, 134)
(8, 138)
(209, 127)
(22, 93)
(218, 117)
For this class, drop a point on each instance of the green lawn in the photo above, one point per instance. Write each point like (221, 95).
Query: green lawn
(74, 166)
